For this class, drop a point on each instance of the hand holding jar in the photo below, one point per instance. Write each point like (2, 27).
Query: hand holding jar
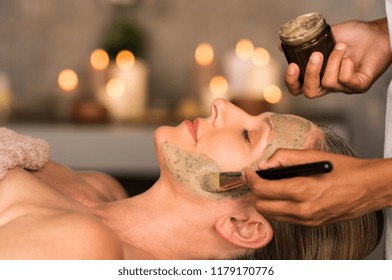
(361, 54)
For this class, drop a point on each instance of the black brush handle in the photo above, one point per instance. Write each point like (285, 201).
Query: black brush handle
(284, 172)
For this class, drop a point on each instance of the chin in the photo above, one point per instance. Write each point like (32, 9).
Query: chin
(163, 134)
(159, 138)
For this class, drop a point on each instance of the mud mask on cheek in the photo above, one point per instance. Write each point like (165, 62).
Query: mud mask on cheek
(186, 167)
(190, 170)
(288, 132)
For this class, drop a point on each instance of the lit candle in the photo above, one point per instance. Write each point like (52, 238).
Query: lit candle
(125, 94)
(204, 54)
(99, 63)
(205, 69)
(249, 70)
(263, 72)
(236, 67)
(99, 59)
(272, 94)
(68, 82)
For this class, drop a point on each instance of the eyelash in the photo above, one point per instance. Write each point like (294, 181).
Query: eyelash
(245, 135)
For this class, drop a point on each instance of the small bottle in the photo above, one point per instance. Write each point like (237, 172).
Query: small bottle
(302, 36)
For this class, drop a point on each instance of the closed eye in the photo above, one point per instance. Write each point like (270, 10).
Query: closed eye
(245, 135)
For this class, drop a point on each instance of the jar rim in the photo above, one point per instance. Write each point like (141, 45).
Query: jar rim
(302, 29)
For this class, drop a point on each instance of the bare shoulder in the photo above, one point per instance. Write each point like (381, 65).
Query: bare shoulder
(61, 236)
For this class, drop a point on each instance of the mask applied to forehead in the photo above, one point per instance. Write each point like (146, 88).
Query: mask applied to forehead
(288, 132)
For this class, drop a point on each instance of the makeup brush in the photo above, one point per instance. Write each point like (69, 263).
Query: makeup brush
(224, 181)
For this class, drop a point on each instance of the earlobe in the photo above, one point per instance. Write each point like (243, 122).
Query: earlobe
(247, 230)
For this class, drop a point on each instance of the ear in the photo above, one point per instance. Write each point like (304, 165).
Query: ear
(246, 229)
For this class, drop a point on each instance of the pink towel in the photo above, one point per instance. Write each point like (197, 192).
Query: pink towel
(21, 150)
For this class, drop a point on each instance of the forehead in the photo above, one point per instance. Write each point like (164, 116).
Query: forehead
(291, 129)
(278, 119)
(287, 131)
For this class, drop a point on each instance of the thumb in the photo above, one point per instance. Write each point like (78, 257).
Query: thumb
(253, 181)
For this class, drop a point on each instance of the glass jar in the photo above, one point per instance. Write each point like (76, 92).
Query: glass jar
(304, 35)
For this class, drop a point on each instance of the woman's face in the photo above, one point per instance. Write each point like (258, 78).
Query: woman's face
(228, 140)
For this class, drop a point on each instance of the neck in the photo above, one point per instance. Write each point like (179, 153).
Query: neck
(161, 224)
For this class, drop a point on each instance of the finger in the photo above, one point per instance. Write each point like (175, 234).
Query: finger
(259, 187)
(289, 212)
(311, 86)
(331, 74)
(255, 182)
(282, 211)
(323, 91)
(284, 189)
(274, 208)
(284, 157)
(353, 81)
(291, 79)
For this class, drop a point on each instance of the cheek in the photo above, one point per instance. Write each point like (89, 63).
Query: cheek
(230, 153)
(170, 134)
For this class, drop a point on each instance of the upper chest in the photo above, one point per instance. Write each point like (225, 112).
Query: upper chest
(23, 193)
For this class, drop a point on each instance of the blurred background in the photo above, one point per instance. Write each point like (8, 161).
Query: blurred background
(96, 77)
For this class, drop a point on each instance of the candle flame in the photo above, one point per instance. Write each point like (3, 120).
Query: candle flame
(244, 49)
(218, 86)
(99, 59)
(125, 60)
(115, 88)
(261, 57)
(204, 54)
(272, 94)
(67, 80)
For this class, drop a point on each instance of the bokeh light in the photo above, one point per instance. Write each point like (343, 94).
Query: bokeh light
(218, 86)
(115, 88)
(244, 49)
(261, 57)
(204, 54)
(272, 94)
(67, 80)
(125, 60)
(99, 59)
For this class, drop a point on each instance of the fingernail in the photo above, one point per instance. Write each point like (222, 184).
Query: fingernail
(339, 46)
(291, 70)
(314, 58)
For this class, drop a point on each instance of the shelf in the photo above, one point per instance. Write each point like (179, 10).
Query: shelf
(119, 150)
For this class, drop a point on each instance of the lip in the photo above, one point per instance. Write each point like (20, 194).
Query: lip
(192, 127)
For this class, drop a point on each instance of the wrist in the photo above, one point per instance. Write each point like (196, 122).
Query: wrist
(380, 170)
(382, 24)
(380, 27)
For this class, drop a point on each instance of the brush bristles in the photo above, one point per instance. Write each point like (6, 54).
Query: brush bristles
(211, 183)
(231, 180)
(220, 182)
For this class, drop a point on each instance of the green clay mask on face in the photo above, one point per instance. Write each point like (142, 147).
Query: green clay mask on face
(288, 132)
(190, 169)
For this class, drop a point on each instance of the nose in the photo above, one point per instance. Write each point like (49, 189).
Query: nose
(220, 111)
(219, 104)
